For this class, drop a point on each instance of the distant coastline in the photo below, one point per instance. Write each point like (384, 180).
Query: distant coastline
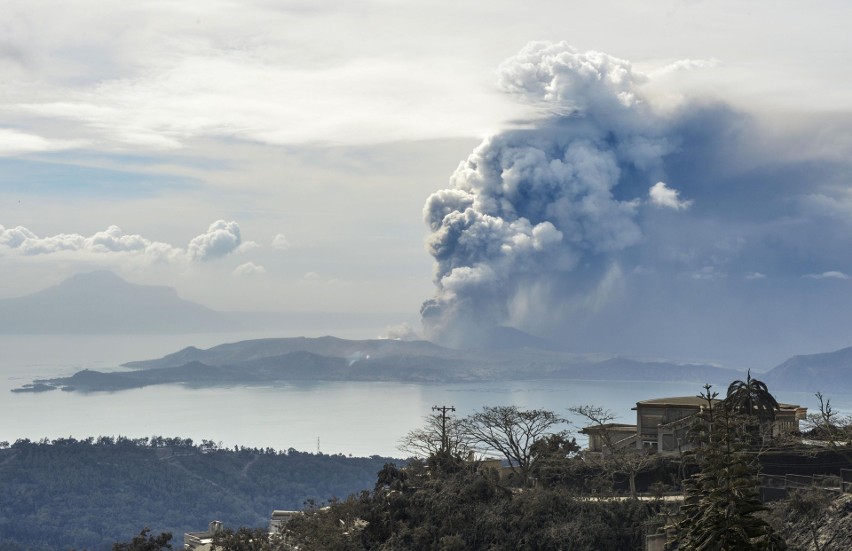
(327, 359)
(267, 361)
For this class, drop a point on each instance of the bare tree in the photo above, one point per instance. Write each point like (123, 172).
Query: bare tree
(511, 432)
(625, 460)
(827, 424)
(428, 440)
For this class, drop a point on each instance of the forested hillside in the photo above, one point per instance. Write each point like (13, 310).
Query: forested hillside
(68, 493)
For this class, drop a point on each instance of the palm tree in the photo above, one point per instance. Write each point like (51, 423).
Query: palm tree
(752, 398)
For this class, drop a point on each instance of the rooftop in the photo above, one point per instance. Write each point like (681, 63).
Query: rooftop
(608, 426)
(697, 401)
(694, 401)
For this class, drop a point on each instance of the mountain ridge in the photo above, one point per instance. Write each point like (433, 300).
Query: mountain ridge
(277, 360)
(820, 372)
(270, 361)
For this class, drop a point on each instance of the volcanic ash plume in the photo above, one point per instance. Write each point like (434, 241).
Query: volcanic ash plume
(530, 207)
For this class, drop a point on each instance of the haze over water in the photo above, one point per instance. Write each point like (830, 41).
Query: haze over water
(357, 418)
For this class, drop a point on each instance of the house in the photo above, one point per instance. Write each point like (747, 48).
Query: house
(202, 541)
(280, 518)
(610, 436)
(662, 425)
(493, 463)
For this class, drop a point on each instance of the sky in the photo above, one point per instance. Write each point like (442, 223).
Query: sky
(663, 178)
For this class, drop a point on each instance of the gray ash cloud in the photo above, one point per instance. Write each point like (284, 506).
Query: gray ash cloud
(612, 224)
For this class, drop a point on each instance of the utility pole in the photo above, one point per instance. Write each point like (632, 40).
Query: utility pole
(444, 409)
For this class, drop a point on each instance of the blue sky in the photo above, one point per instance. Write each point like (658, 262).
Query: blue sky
(296, 143)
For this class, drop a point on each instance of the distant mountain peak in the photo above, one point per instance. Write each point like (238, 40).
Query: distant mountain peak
(106, 280)
(102, 302)
(826, 372)
(93, 276)
(504, 337)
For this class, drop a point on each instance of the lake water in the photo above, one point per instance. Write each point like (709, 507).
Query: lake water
(354, 418)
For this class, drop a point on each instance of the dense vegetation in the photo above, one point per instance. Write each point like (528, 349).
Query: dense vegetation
(461, 506)
(69, 493)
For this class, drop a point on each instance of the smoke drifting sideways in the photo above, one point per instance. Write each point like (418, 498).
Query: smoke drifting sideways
(610, 224)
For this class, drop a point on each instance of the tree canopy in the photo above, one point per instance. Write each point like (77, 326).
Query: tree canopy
(437, 432)
(145, 541)
(511, 432)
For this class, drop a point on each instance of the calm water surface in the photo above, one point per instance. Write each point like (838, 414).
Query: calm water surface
(354, 418)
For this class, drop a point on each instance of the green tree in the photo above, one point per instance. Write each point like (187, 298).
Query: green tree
(470, 509)
(553, 459)
(146, 542)
(722, 509)
(336, 527)
(247, 539)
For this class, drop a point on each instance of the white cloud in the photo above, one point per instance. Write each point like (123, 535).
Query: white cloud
(752, 276)
(249, 269)
(246, 246)
(707, 273)
(280, 241)
(828, 275)
(237, 93)
(182, 70)
(220, 239)
(111, 240)
(685, 65)
(15, 142)
(663, 196)
(13, 238)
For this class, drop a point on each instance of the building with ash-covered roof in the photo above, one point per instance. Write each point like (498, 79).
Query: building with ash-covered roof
(202, 541)
(662, 425)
